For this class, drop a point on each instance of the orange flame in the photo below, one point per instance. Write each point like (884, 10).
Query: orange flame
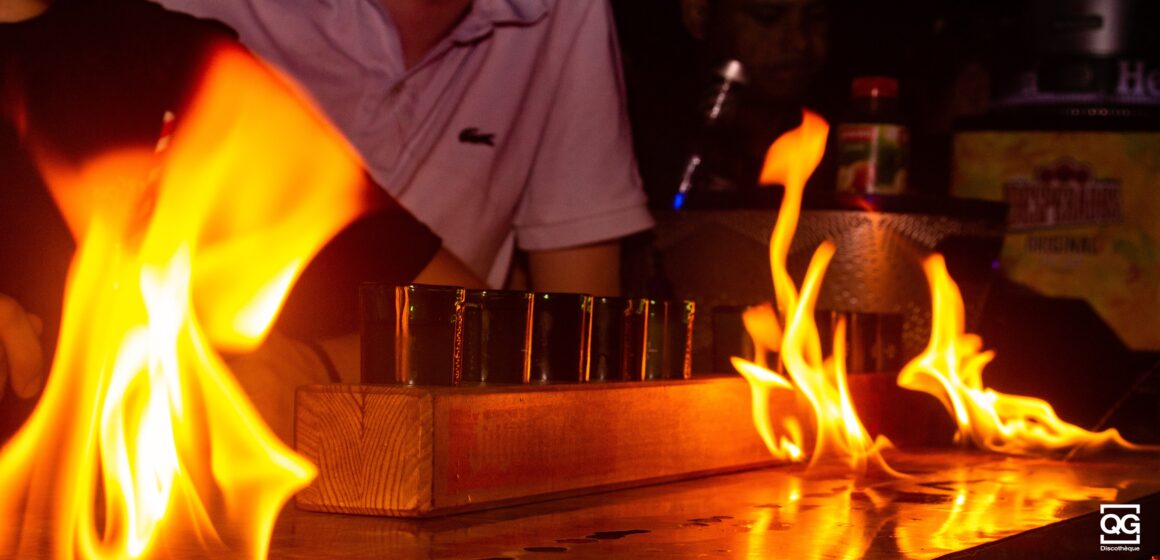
(762, 324)
(784, 443)
(790, 161)
(840, 437)
(143, 440)
(951, 369)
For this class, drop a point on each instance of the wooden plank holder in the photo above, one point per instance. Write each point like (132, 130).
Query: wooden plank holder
(425, 451)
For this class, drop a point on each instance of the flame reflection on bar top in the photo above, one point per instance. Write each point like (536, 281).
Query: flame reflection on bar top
(956, 501)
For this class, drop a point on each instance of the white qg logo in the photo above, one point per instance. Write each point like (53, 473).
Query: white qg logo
(1120, 524)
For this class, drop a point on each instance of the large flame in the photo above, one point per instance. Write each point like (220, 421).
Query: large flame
(143, 440)
(951, 369)
(840, 439)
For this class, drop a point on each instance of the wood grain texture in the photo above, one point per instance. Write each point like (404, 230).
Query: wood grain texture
(373, 445)
(553, 440)
(476, 448)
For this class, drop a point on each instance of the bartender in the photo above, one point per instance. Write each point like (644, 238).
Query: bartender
(498, 123)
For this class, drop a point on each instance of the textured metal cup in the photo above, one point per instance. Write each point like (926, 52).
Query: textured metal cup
(608, 357)
(561, 326)
(377, 332)
(429, 335)
(497, 336)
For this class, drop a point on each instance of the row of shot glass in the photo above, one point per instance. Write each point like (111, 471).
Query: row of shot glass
(444, 335)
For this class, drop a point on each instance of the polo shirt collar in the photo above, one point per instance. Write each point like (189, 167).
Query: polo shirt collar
(485, 15)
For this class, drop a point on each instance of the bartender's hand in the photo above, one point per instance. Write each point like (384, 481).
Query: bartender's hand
(21, 354)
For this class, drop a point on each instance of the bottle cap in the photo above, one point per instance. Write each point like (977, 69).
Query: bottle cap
(875, 86)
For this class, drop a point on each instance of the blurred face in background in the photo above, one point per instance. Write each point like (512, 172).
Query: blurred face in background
(781, 43)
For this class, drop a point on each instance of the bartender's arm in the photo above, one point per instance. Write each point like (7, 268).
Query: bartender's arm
(588, 269)
(316, 338)
(447, 270)
(386, 245)
(21, 354)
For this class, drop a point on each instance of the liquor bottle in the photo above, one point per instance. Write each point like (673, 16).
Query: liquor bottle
(872, 139)
(715, 109)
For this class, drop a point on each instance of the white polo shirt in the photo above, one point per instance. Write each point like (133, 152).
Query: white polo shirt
(511, 132)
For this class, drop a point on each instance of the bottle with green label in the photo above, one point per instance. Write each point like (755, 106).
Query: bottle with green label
(872, 139)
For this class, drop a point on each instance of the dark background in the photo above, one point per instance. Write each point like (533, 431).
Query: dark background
(924, 43)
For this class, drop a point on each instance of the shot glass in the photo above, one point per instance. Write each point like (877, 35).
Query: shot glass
(429, 335)
(497, 336)
(636, 339)
(679, 316)
(561, 326)
(655, 337)
(608, 357)
(668, 340)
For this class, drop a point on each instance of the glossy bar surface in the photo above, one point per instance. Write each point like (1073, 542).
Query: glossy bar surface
(957, 501)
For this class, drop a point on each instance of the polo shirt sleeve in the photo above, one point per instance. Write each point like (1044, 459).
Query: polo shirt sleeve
(583, 187)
